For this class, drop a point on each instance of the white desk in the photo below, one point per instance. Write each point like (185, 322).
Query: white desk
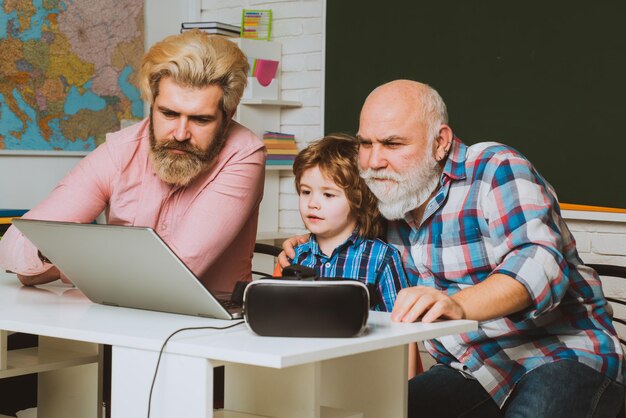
(276, 377)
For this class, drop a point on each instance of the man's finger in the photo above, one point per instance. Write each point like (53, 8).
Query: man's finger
(411, 304)
(445, 308)
(435, 312)
(420, 306)
(405, 299)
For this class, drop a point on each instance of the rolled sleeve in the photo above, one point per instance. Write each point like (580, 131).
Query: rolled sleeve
(19, 255)
(522, 229)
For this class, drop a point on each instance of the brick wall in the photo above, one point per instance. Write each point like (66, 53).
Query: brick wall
(600, 237)
(299, 26)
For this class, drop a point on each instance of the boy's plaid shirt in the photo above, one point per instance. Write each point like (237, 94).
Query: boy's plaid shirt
(371, 261)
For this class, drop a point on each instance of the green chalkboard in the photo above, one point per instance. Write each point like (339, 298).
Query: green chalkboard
(546, 77)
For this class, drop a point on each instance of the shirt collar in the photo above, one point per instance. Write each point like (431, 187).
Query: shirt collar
(455, 164)
(353, 240)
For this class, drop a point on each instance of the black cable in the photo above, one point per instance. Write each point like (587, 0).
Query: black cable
(163, 348)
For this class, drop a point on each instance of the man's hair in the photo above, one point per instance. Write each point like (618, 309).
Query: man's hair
(434, 110)
(196, 59)
(336, 157)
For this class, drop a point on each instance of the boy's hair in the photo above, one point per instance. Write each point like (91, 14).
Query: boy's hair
(336, 156)
(196, 59)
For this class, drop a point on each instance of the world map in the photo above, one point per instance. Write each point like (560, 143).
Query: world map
(68, 71)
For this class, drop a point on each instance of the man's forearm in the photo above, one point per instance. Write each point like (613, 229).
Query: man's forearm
(498, 296)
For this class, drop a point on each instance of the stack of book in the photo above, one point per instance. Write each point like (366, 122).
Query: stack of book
(281, 148)
(217, 28)
(6, 216)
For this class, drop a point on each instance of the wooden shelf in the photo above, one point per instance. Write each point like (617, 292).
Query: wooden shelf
(39, 359)
(270, 102)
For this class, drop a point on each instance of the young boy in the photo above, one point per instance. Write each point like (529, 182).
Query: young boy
(342, 216)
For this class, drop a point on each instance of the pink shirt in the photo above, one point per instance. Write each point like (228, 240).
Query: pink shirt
(210, 224)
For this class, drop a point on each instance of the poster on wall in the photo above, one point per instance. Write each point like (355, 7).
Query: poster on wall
(68, 71)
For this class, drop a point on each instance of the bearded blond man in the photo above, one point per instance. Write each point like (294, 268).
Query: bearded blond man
(188, 170)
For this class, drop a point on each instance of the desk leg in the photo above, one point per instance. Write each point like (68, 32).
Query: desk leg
(183, 388)
(373, 383)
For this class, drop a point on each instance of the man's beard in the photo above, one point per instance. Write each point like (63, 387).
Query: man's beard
(402, 193)
(181, 169)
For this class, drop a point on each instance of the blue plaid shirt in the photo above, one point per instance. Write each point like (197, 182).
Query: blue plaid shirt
(494, 213)
(369, 261)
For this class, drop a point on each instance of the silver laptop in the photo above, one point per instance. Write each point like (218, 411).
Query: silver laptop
(125, 266)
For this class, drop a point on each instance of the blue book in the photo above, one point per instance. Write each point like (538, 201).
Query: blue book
(279, 162)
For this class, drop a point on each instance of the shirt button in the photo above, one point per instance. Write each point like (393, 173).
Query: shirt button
(327, 265)
(163, 227)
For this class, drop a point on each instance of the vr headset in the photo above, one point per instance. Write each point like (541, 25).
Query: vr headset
(300, 304)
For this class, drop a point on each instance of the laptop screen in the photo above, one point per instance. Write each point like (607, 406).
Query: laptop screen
(122, 266)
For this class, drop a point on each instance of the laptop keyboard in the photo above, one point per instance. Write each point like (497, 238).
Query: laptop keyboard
(229, 304)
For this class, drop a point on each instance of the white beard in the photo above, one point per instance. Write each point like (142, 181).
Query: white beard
(402, 193)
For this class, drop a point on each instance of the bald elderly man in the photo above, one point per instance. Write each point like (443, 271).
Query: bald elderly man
(482, 238)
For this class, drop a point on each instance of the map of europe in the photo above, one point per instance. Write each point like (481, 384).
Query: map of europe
(68, 71)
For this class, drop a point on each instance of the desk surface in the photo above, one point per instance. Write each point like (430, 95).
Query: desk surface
(58, 310)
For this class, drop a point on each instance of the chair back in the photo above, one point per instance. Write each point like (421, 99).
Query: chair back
(614, 286)
(264, 259)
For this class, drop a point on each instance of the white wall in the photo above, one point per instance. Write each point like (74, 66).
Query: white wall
(299, 25)
(163, 18)
(26, 178)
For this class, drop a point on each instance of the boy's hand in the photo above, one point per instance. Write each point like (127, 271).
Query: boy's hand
(288, 246)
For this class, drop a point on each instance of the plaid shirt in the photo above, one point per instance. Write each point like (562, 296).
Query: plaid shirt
(494, 213)
(369, 261)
